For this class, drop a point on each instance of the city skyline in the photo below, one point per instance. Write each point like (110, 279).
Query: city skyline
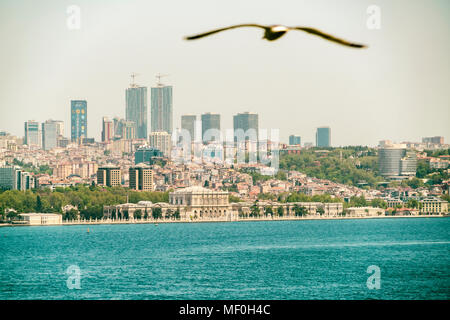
(386, 85)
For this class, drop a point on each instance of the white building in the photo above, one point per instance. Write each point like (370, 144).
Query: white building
(38, 219)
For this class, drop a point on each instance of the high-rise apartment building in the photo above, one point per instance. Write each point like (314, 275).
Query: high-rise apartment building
(295, 140)
(210, 127)
(248, 123)
(161, 109)
(141, 177)
(78, 120)
(188, 124)
(32, 134)
(49, 135)
(109, 176)
(161, 141)
(136, 109)
(323, 137)
(107, 129)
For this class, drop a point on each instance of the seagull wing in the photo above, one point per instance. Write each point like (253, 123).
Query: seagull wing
(201, 35)
(329, 37)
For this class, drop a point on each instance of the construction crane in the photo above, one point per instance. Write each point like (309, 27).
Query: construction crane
(158, 77)
(133, 76)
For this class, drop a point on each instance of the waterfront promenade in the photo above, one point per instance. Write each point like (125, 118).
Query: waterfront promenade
(221, 219)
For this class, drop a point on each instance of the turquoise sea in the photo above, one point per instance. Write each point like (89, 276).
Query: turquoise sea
(326, 259)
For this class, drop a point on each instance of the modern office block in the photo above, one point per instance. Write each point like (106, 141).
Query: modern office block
(109, 176)
(32, 134)
(295, 140)
(146, 155)
(141, 177)
(248, 123)
(210, 127)
(323, 137)
(188, 124)
(49, 135)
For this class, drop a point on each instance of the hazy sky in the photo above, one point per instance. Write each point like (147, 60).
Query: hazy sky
(398, 88)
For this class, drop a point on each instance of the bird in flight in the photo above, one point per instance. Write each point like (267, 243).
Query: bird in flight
(275, 32)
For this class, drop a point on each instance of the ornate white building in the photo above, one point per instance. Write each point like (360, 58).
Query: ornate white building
(201, 202)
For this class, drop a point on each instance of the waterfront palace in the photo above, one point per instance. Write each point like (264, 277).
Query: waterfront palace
(201, 203)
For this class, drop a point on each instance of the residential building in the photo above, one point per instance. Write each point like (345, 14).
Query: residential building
(136, 109)
(107, 130)
(161, 109)
(161, 141)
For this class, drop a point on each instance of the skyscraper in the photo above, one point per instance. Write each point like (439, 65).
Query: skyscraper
(246, 121)
(323, 137)
(295, 140)
(49, 134)
(210, 122)
(78, 120)
(188, 123)
(32, 134)
(161, 109)
(136, 109)
(107, 129)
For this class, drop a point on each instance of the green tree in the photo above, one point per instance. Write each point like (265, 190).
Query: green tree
(157, 213)
(280, 211)
(254, 210)
(320, 210)
(137, 214)
(38, 204)
(268, 210)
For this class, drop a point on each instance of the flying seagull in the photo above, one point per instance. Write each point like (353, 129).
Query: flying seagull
(275, 32)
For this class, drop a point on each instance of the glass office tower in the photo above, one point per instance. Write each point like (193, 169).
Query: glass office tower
(323, 137)
(78, 121)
